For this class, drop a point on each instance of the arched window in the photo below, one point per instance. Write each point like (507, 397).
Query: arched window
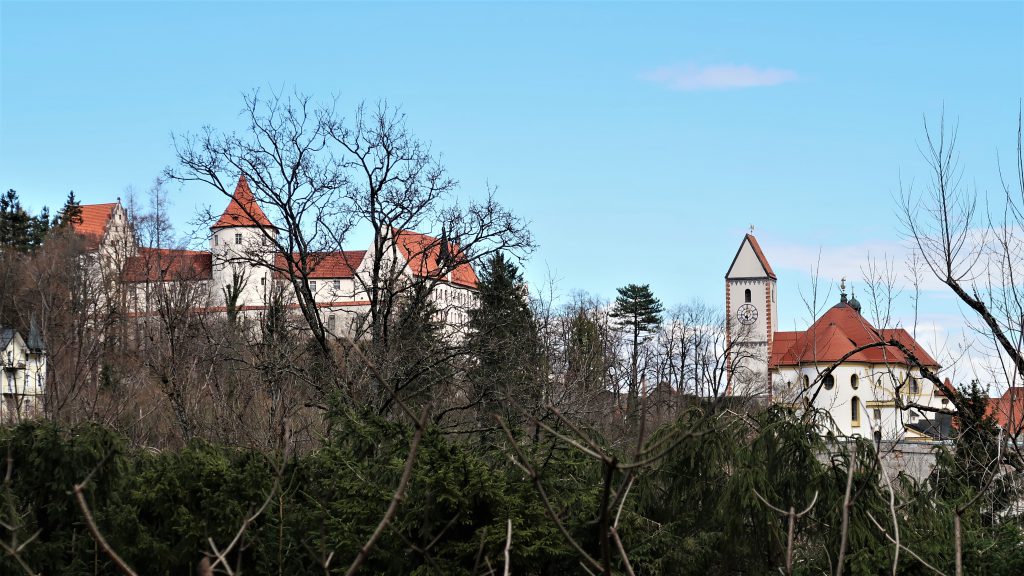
(855, 412)
(854, 381)
(746, 295)
(829, 382)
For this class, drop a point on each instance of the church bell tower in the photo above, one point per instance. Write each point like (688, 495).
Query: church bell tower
(751, 318)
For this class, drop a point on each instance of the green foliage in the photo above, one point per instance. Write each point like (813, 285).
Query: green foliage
(504, 342)
(70, 213)
(19, 230)
(694, 511)
(636, 309)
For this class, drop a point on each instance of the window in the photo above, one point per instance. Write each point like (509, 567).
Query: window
(876, 414)
(854, 381)
(914, 386)
(829, 382)
(330, 323)
(216, 240)
(336, 284)
(855, 412)
(807, 382)
(312, 285)
(238, 237)
(263, 281)
(746, 295)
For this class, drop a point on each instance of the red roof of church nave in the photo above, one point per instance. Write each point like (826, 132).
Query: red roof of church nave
(838, 332)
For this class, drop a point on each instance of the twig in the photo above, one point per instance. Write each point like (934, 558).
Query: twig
(17, 558)
(908, 550)
(847, 504)
(622, 552)
(792, 516)
(480, 551)
(403, 484)
(892, 510)
(532, 473)
(508, 546)
(95, 531)
(222, 556)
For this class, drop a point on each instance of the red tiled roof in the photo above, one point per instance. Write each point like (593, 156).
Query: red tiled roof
(760, 256)
(93, 223)
(166, 265)
(330, 265)
(1008, 410)
(243, 210)
(422, 253)
(839, 331)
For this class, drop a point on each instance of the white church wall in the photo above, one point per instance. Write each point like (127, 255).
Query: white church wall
(873, 392)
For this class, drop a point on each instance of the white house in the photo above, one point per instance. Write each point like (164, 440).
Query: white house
(22, 374)
(860, 394)
(242, 258)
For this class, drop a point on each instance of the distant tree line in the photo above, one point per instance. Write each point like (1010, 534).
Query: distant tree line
(24, 232)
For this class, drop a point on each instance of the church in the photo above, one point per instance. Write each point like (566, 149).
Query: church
(243, 261)
(861, 395)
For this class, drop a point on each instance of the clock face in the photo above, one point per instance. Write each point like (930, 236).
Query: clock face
(747, 314)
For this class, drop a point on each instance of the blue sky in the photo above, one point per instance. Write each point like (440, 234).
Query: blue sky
(639, 139)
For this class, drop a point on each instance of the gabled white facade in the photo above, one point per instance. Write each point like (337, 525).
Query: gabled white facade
(22, 377)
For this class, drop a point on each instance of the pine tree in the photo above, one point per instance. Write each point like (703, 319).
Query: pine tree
(16, 225)
(585, 356)
(504, 341)
(40, 228)
(638, 313)
(70, 214)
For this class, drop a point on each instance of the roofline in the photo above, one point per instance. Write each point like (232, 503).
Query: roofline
(761, 259)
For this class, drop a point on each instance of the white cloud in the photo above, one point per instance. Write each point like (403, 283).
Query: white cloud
(690, 77)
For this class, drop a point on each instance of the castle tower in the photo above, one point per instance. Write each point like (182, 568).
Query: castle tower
(751, 318)
(242, 253)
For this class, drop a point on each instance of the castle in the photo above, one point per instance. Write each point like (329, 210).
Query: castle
(244, 265)
(860, 395)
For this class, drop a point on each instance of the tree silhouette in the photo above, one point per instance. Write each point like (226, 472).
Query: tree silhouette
(637, 312)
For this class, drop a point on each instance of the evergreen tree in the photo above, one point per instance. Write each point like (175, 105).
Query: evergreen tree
(15, 223)
(504, 341)
(71, 213)
(638, 313)
(585, 357)
(40, 228)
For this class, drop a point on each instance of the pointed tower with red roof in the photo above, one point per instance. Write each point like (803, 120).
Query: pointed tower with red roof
(241, 242)
(751, 317)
